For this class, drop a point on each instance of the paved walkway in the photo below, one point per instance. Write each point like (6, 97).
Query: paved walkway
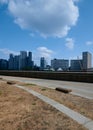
(86, 122)
(81, 89)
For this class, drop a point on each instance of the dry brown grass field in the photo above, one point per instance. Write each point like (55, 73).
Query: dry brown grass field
(82, 105)
(20, 110)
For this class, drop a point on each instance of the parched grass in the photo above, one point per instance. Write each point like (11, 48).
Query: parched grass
(20, 110)
(81, 105)
(43, 89)
(34, 85)
(30, 84)
(0, 92)
(33, 103)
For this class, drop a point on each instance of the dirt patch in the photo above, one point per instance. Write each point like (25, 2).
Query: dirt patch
(76, 103)
(20, 110)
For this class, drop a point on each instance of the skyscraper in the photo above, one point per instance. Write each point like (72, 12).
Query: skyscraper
(87, 60)
(3, 64)
(30, 63)
(42, 63)
(11, 62)
(23, 59)
(30, 56)
(16, 62)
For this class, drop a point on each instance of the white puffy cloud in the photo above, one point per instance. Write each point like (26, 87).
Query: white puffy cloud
(89, 43)
(44, 52)
(69, 43)
(6, 51)
(3, 1)
(47, 17)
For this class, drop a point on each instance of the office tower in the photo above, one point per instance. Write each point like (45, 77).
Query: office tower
(42, 63)
(16, 62)
(3, 64)
(60, 64)
(11, 62)
(87, 60)
(23, 60)
(29, 60)
(76, 65)
(30, 56)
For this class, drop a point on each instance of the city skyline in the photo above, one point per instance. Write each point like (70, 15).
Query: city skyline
(45, 32)
(24, 61)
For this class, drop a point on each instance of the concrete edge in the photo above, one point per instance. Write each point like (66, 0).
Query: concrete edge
(86, 122)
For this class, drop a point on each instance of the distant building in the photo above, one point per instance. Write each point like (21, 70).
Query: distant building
(76, 65)
(83, 64)
(16, 62)
(24, 62)
(3, 64)
(30, 63)
(43, 63)
(60, 63)
(48, 67)
(30, 56)
(87, 60)
(11, 62)
(23, 59)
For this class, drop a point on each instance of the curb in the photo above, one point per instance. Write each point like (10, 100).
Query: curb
(86, 122)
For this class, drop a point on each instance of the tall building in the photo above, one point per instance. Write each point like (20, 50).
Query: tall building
(3, 64)
(11, 62)
(23, 59)
(42, 63)
(60, 63)
(82, 64)
(30, 56)
(87, 60)
(30, 63)
(16, 62)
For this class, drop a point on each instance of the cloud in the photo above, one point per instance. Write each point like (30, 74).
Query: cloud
(3, 1)
(88, 43)
(76, 0)
(69, 43)
(46, 17)
(6, 51)
(44, 52)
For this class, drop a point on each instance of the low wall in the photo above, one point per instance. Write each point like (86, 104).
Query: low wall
(67, 76)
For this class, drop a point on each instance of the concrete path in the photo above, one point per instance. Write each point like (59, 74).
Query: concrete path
(86, 122)
(81, 89)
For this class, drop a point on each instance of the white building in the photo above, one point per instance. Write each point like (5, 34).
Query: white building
(60, 63)
(43, 63)
(87, 60)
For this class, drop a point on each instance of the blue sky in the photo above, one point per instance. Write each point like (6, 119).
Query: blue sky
(50, 28)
